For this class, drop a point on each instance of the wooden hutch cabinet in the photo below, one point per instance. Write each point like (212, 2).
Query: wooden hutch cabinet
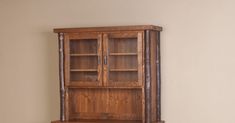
(110, 74)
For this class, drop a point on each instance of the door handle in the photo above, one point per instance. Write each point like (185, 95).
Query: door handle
(98, 60)
(105, 60)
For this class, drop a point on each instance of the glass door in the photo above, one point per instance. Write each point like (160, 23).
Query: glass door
(123, 55)
(83, 54)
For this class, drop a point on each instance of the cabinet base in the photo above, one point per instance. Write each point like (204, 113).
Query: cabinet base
(104, 121)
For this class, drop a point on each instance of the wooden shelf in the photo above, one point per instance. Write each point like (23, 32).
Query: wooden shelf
(83, 55)
(83, 70)
(122, 54)
(124, 70)
(103, 87)
(100, 121)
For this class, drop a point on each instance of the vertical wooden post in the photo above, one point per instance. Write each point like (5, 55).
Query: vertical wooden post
(158, 78)
(61, 76)
(147, 78)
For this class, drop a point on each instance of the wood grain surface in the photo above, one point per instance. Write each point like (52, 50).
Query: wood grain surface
(110, 74)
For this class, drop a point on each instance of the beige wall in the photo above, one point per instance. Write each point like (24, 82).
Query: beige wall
(198, 54)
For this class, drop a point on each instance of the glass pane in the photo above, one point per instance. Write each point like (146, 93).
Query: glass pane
(84, 62)
(84, 76)
(130, 76)
(83, 46)
(123, 45)
(123, 62)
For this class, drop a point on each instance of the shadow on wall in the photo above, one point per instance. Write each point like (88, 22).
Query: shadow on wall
(52, 57)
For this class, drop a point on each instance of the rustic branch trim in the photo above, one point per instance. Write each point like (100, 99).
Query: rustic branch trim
(147, 78)
(158, 78)
(61, 76)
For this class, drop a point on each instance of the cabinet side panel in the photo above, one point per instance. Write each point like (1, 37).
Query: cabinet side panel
(153, 53)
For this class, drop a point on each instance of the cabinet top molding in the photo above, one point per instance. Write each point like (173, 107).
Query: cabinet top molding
(108, 28)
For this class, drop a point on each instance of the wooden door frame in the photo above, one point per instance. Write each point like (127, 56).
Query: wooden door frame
(140, 44)
(67, 38)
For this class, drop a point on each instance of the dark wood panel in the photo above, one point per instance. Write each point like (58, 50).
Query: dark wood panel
(122, 104)
(87, 103)
(125, 104)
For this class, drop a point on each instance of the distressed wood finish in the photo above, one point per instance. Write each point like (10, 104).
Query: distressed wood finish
(105, 104)
(105, 56)
(158, 90)
(129, 48)
(153, 50)
(79, 60)
(147, 78)
(108, 29)
(61, 76)
(110, 74)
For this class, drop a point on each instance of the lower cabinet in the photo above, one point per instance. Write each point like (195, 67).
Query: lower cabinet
(122, 104)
